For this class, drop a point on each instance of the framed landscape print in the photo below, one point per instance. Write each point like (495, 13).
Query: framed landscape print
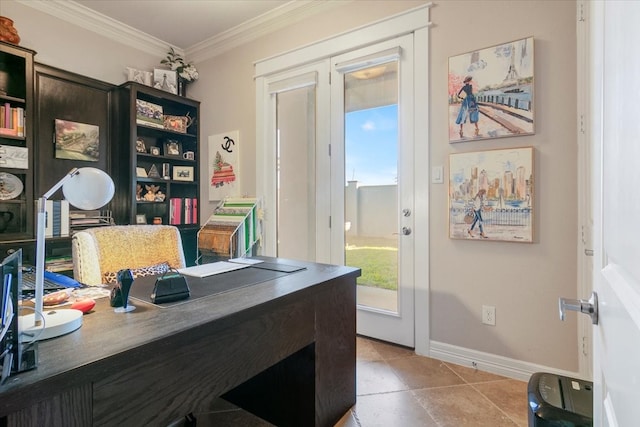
(491, 92)
(77, 141)
(491, 195)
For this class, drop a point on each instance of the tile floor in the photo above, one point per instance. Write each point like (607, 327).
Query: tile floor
(397, 388)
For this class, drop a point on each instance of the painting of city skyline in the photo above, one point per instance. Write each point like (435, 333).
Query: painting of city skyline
(491, 195)
(491, 92)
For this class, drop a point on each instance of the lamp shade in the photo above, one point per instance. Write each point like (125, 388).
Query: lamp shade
(89, 189)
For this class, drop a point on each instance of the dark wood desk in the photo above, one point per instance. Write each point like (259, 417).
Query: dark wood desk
(283, 349)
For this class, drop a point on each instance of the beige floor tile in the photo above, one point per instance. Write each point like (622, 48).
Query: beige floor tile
(391, 351)
(376, 377)
(391, 409)
(365, 350)
(419, 372)
(508, 395)
(461, 406)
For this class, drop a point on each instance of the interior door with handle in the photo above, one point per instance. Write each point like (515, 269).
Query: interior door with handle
(372, 148)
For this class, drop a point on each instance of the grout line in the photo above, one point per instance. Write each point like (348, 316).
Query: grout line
(494, 404)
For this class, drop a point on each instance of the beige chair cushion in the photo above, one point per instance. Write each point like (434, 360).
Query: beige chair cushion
(101, 250)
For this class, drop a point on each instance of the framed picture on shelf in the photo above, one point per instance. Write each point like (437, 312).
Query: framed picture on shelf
(172, 148)
(155, 151)
(183, 173)
(140, 146)
(166, 80)
(149, 114)
(141, 172)
(141, 219)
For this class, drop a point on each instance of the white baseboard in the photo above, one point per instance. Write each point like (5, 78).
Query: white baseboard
(499, 365)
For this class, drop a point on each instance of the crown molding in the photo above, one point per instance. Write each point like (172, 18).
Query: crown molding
(91, 20)
(253, 29)
(278, 18)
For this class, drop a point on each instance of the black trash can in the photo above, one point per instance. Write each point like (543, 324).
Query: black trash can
(557, 401)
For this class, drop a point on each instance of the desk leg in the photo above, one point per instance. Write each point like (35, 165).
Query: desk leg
(317, 384)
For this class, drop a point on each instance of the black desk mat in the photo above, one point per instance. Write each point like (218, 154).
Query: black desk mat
(142, 287)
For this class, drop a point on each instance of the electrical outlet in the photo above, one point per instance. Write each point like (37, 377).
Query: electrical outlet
(489, 315)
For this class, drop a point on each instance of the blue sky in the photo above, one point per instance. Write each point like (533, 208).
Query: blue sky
(371, 145)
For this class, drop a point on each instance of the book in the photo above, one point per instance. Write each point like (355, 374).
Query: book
(57, 217)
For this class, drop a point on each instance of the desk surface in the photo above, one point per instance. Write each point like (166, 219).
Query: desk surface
(108, 343)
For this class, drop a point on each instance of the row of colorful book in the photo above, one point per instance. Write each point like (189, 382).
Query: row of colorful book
(183, 211)
(11, 120)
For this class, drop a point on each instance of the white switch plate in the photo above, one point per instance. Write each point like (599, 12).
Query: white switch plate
(437, 175)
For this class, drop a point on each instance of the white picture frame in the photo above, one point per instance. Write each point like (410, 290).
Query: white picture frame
(166, 80)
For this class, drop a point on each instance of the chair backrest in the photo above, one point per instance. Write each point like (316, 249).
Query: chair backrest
(102, 251)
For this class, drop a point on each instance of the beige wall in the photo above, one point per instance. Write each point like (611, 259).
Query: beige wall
(523, 281)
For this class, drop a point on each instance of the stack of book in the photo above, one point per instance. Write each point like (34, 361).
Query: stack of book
(11, 120)
(183, 211)
(57, 223)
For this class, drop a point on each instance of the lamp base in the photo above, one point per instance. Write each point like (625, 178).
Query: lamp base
(56, 323)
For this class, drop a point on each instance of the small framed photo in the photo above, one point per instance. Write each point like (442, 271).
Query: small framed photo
(155, 151)
(165, 80)
(141, 172)
(183, 173)
(141, 219)
(140, 146)
(149, 114)
(172, 148)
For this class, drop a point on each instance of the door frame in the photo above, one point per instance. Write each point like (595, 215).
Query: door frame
(415, 21)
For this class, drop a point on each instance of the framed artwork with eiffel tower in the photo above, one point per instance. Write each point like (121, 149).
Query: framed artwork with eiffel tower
(490, 92)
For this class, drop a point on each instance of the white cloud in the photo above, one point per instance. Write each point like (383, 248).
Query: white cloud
(369, 125)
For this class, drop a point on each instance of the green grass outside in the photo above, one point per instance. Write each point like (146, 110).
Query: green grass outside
(378, 260)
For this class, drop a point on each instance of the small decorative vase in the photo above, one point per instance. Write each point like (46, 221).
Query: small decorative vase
(7, 32)
(182, 87)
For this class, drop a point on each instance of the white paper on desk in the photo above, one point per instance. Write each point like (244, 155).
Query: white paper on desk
(210, 269)
(14, 157)
(248, 261)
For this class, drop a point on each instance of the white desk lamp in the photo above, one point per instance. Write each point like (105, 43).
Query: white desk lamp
(86, 189)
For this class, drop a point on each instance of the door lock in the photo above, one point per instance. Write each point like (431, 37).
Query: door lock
(406, 230)
(406, 212)
(589, 306)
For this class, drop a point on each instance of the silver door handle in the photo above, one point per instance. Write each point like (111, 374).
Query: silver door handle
(589, 306)
(406, 230)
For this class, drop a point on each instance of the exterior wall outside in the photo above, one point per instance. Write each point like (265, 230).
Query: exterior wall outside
(371, 210)
(523, 281)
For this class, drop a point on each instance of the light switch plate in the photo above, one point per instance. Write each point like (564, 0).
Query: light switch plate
(437, 175)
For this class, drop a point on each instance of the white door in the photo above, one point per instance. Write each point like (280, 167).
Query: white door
(615, 112)
(372, 154)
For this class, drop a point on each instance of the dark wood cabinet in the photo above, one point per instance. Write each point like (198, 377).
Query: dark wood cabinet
(155, 157)
(16, 143)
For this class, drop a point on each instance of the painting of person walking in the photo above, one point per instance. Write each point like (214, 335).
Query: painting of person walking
(478, 206)
(468, 107)
(490, 92)
(491, 195)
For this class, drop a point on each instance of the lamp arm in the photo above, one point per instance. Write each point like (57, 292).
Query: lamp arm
(40, 241)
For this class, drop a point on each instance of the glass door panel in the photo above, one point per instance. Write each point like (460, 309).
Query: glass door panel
(371, 195)
(296, 173)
